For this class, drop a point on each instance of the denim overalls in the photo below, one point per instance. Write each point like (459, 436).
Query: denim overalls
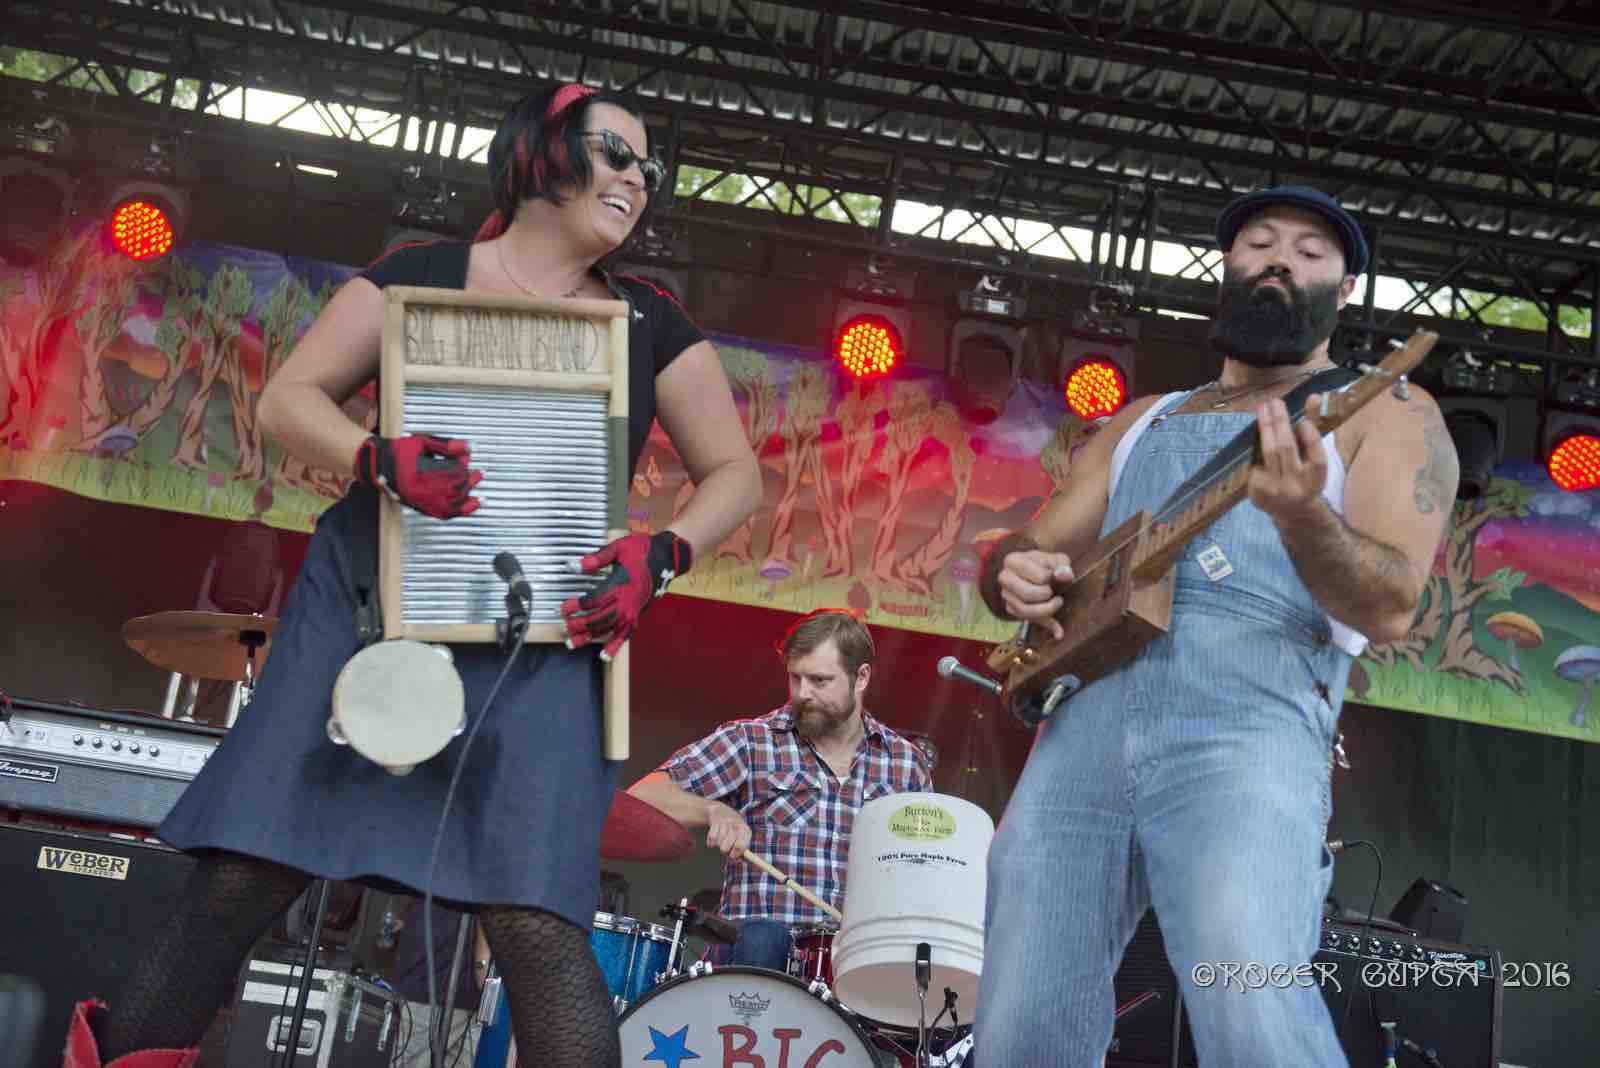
(1196, 779)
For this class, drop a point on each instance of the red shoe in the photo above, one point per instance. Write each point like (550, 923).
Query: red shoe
(84, 1052)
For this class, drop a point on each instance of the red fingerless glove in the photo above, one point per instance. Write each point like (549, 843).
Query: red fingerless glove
(425, 471)
(641, 566)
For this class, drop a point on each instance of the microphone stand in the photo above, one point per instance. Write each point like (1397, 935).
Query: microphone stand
(292, 1049)
(922, 970)
(439, 1026)
(514, 627)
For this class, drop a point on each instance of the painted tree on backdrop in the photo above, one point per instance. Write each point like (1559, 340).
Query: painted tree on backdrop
(178, 285)
(807, 398)
(114, 281)
(1072, 433)
(916, 569)
(11, 289)
(857, 416)
(910, 414)
(216, 326)
(26, 356)
(1454, 592)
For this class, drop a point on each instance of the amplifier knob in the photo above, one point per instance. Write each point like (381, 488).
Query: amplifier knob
(97, 743)
(133, 747)
(155, 750)
(77, 739)
(116, 745)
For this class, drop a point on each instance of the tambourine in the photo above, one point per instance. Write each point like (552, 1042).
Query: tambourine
(398, 703)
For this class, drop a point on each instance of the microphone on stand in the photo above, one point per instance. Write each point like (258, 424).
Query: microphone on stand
(950, 668)
(519, 601)
(507, 567)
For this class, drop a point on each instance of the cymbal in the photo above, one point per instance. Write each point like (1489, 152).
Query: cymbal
(205, 645)
(637, 830)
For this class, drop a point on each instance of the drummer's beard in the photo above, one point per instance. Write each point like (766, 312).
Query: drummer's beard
(820, 718)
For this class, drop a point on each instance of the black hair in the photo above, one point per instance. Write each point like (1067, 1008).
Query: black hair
(537, 155)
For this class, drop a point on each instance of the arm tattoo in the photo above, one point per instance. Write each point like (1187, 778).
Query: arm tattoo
(1440, 471)
(989, 579)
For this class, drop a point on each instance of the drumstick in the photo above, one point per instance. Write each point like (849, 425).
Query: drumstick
(792, 885)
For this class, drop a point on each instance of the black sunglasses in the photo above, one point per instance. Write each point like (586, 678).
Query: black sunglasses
(620, 156)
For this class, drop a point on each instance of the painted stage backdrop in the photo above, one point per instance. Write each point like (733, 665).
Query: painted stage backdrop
(138, 384)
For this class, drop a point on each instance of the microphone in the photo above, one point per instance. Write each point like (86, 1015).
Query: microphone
(950, 668)
(923, 969)
(507, 567)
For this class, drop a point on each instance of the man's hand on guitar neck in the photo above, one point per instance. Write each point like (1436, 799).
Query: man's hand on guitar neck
(1029, 581)
(1294, 464)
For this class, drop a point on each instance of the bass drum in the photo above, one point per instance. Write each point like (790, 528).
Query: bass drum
(747, 1016)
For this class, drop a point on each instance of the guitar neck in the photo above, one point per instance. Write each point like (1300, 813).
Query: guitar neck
(1166, 541)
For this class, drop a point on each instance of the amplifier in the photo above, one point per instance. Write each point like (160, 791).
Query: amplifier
(79, 909)
(106, 767)
(1441, 995)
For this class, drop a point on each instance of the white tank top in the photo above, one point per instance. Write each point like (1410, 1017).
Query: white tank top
(1347, 638)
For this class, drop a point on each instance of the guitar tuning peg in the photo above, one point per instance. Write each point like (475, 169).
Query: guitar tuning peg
(1401, 389)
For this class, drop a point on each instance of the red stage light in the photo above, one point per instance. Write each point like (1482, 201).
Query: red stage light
(867, 346)
(1574, 463)
(141, 230)
(1096, 388)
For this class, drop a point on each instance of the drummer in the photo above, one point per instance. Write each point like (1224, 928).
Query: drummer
(788, 785)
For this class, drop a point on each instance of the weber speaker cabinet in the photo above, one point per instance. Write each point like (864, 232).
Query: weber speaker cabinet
(76, 913)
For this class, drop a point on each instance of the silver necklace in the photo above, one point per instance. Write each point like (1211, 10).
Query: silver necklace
(1216, 383)
(500, 254)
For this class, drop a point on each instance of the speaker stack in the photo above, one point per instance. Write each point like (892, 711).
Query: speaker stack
(78, 910)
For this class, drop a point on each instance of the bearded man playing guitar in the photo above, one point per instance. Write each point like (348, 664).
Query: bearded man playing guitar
(1196, 776)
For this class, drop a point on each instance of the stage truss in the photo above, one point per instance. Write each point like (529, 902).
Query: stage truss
(1468, 141)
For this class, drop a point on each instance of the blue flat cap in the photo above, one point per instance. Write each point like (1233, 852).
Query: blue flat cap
(1237, 213)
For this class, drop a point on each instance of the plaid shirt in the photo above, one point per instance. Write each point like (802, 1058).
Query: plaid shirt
(799, 813)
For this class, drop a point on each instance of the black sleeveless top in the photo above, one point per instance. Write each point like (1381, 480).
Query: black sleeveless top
(658, 328)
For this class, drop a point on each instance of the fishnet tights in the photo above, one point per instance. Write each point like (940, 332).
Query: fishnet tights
(560, 1006)
(181, 980)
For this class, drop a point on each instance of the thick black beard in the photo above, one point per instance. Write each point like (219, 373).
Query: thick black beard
(1265, 327)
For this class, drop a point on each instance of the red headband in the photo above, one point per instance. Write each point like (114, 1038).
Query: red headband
(564, 98)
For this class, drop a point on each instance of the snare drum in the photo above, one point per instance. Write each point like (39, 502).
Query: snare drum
(633, 956)
(811, 960)
(742, 1015)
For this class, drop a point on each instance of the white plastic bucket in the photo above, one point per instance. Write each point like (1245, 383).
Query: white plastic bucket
(916, 873)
